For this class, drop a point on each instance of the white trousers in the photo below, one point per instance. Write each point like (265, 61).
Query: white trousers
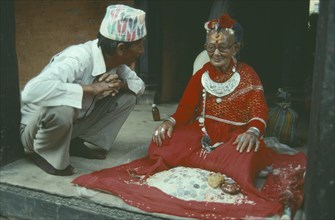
(51, 129)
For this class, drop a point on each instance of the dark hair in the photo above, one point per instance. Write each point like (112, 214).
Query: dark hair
(238, 32)
(108, 46)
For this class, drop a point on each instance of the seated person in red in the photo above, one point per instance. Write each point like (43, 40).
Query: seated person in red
(218, 126)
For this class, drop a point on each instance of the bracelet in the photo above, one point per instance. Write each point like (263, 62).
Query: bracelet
(172, 120)
(254, 131)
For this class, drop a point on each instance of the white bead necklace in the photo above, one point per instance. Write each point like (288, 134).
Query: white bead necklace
(219, 90)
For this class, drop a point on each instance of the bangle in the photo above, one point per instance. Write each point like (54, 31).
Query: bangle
(172, 120)
(254, 131)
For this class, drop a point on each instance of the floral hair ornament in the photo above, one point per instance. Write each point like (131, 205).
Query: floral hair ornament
(223, 22)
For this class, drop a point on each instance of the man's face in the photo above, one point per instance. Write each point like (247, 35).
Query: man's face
(133, 52)
(220, 48)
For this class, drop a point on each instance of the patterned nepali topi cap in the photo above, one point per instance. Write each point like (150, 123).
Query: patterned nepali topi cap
(123, 23)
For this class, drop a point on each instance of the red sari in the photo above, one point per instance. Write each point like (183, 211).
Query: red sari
(225, 119)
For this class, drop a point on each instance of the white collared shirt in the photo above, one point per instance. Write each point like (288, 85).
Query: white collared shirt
(60, 81)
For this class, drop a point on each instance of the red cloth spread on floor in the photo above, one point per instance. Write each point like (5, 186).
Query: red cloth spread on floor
(243, 108)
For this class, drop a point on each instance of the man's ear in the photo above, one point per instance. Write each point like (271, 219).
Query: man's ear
(120, 48)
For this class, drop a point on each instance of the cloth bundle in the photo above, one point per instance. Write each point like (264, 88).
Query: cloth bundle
(282, 121)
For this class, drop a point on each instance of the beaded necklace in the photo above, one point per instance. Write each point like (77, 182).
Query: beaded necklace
(219, 90)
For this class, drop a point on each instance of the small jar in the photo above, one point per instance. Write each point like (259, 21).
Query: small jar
(155, 113)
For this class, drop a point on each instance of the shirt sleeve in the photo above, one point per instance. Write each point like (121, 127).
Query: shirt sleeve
(258, 113)
(134, 82)
(187, 108)
(58, 83)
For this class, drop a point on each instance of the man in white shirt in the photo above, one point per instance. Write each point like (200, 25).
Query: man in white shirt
(84, 94)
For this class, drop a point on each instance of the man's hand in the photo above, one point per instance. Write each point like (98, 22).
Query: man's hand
(108, 77)
(158, 136)
(107, 83)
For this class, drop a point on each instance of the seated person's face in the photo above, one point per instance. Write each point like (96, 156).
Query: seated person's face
(220, 48)
(133, 52)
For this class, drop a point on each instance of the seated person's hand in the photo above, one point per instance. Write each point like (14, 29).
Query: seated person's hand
(158, 136)
(247, 141)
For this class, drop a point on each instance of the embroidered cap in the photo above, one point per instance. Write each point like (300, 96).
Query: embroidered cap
(123, 23)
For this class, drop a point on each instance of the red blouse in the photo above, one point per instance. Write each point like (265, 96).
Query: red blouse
(245, 106)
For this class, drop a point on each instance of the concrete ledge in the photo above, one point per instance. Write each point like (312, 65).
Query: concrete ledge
(22, 203)
(147, 98)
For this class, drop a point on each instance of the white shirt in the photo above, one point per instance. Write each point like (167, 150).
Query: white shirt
(59, 82)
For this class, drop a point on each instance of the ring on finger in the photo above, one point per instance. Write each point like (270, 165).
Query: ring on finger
(162, 129)
(156, 132)
(241, 138)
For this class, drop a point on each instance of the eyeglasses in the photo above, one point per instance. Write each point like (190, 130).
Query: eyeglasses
(221, 47)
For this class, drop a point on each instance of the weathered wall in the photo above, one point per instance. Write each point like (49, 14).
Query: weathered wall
(320, 174)
(10, 148)
(45, 27)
